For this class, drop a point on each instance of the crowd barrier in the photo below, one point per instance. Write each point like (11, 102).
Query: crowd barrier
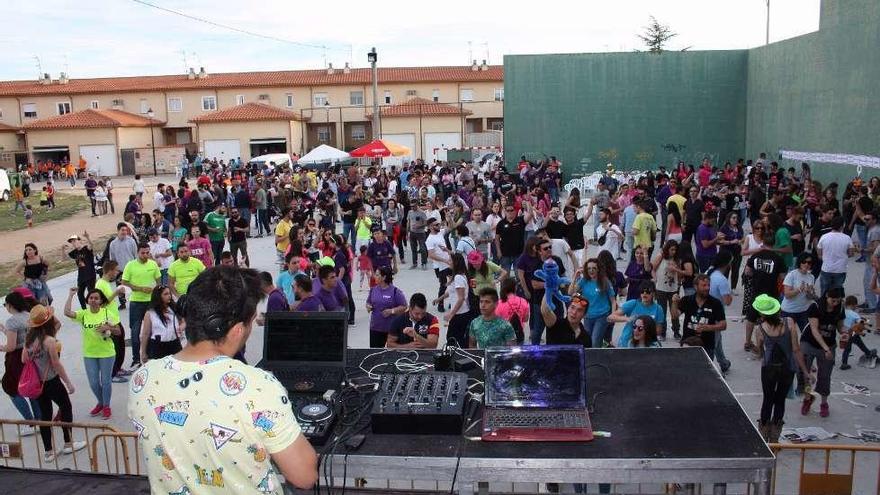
(23, 450)
(854, 470)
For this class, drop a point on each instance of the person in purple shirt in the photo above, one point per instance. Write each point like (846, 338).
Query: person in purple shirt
(384, 303)
(91, 184)
(306, 301)
(707, 239)
(329, 290)
(381, 251)
(275, 298)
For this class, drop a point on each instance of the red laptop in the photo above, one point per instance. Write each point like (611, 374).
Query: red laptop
(536, 394)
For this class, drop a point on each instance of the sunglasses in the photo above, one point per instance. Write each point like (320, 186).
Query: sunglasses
(647, 291)
(639, 326)
(807, 262)
(545, 248)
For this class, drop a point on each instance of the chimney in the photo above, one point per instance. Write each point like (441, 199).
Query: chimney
(346, 69)
(202, 73)
(62, 79)
(46, 79)
(485, 66)
(330, 70)
(191, 74)
(475, 67)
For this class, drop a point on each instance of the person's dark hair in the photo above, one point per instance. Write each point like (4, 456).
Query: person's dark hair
(650, 327)
(303, 282)
(387, 274)
(608, 268)
(459, 267)
(647, 285)
(667, 248)
(508, 287)
(266, 279)
(850, 301)
(837, 223)
(324, 272)
(143, 245)
(699, 278)
(722, 259)
(834, 293)
(32, 246)
(418, 300)
(217, 300)
(225, 255)
(489, 292)
(774, 320)
(101, 295)
(158, 305)
(19, 302)
(48, 329)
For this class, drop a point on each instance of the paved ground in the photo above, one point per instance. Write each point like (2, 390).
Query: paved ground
(743, 378)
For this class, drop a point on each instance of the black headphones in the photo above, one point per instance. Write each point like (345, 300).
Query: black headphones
(216, 324)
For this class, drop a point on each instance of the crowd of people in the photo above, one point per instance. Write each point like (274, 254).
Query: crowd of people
(660, 252)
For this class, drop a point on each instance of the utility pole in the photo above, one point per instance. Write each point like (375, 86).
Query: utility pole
(767, 39)
(373, 57)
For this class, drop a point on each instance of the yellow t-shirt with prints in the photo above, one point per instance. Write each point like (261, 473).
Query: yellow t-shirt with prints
(209, 427)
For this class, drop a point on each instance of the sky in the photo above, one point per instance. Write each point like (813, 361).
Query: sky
(96, 38)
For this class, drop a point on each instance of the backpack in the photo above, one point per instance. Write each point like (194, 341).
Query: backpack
(778, 359)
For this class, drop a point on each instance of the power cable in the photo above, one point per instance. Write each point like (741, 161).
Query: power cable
(231, 28)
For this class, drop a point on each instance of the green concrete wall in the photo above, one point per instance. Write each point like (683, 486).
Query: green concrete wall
(820, 92)
(632, 109)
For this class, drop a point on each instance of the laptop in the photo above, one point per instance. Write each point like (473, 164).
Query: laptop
(536, 394)
(306, 350)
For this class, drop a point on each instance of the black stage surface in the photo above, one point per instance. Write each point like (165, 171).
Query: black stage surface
(39, 481)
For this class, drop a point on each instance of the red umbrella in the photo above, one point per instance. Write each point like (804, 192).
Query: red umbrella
(380, 148)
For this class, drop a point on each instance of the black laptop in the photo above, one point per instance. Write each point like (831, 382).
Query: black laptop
(306, 351)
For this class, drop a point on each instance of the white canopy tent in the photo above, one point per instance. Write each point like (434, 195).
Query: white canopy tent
(324, 154)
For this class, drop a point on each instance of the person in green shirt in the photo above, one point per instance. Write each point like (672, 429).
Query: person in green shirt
(644, 228)
(178, 234)
(363, 225)
(216, 222)
(783, 244)
(98, 325)
(140, 275)
(489, 330)
(109, 274)
(183, 271)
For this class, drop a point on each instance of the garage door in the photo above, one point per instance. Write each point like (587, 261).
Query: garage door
(408, 140)
(436, 140)
(222, 149)
(100, 157)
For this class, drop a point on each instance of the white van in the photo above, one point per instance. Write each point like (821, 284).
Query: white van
(5, 186)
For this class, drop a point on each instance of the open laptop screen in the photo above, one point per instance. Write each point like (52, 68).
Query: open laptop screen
(536, 376)
(311, 337)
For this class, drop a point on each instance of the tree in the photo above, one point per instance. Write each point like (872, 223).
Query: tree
(656, 35)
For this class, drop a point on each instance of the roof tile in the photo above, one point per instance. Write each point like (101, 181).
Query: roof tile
(248, 112)
(421, 106)
(92, 119)
(253, 79)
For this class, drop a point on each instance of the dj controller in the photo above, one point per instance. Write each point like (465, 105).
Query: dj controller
(421, 403)
(315, 416)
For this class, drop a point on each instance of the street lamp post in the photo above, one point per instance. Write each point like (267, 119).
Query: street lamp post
(373, 57)
(151, 114)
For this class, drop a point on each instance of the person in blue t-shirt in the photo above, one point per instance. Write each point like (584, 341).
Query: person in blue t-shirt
(594, 286)
(629, 311)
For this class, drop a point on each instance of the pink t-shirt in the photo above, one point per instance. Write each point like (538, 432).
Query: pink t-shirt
(514, 304)
(201, 250)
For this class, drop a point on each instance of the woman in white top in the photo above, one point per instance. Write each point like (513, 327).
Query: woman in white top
(161, 329)
(664, 266)
(610, 235)
(751, 244)
(493, 219)
(459, 314)
(101, 198)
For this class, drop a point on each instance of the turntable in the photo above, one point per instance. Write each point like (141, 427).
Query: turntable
(315, 417)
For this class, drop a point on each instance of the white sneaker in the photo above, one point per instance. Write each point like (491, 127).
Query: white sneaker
(28, 430)
(49, 457)
(73, 447)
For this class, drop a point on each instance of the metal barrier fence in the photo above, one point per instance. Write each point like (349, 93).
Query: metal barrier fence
(120, 446)
(825, 473)
(17, 450)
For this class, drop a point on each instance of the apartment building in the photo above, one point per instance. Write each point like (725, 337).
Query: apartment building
(231, 115)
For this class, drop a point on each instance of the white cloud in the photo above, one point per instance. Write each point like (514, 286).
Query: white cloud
(116, 37)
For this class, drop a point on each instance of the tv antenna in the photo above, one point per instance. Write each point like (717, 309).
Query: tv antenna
(39, 67)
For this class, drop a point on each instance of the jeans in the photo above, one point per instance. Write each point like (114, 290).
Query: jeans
(862, 232)
(723, 362)
(348, 232)
(826, 366)
(664, 299)
(163, 277)
(857, 341)
(217, 249)
(263, 222)
(831, 280)
(417, 245)
(28, 408)
(775, 383)
(664, 219)
(596, 328)
(536, 323)
(870, 297)
(99, 371)
(507, 263)
(136, 312)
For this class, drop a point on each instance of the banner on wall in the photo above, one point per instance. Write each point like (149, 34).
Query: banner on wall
(859, 161)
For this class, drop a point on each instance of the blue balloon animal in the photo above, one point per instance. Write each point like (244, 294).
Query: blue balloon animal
(549, 274)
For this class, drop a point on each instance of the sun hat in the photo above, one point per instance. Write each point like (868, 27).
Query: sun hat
(40, 315)
(475, 258)
(326, 261)
(766, 305)
(73, 237)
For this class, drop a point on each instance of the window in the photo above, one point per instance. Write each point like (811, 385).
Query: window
(1, 114)
(324, 134)
(119, 103)
(411, 92)
(466, 95)
(239, 99)
(94, 104)
(63, 107)
(145, 106)
(356, 98)
(496, 125)
(289, 98)
(435, 95)
(209, 103)
(499, 94)
(320, 99)
(387, 97)
(262, 97)
(29, 110)
(175, 104)
(359, 133)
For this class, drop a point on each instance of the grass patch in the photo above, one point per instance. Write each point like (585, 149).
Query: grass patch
(66, 205)
(57, 265)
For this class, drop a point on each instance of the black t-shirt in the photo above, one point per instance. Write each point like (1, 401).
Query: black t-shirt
(819, 229)
(556, 229)
(561, 333)
(511, 235)
(766, 267)
(235, 236)
(797, 246)
(710, 313)
(428, 325)
(350, 209)
(574, 234)
(84, 259)
(731, 202)
(828, 321)
(693, 213)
